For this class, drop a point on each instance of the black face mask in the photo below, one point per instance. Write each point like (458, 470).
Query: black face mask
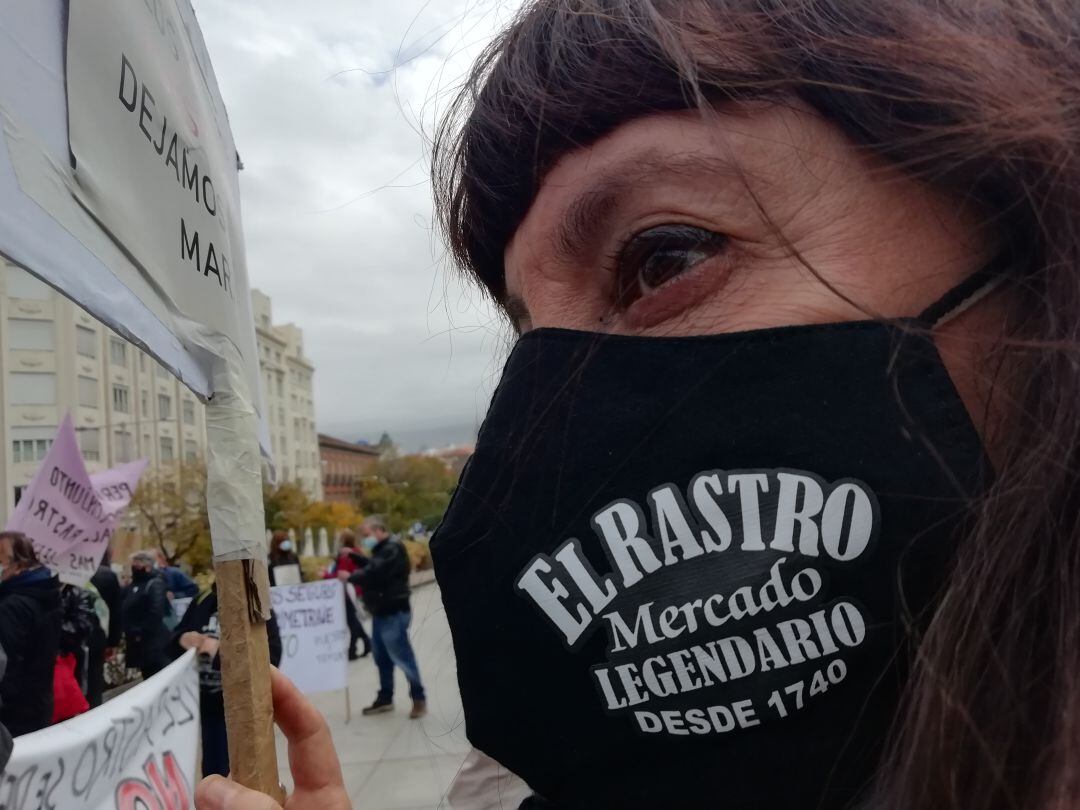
(140, 574)
(682, 572)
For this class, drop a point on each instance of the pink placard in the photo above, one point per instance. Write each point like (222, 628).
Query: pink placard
(70, 515)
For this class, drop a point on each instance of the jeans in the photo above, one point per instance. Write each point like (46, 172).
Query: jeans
(390, 646)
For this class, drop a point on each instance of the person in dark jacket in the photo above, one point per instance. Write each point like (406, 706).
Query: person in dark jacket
(78, 623)
(349, 561)
(177, 582)
(146, 605)
(108, 588)
(385, 582)
(282, 553)
(30, 618)
(199, 630)
(7, 745)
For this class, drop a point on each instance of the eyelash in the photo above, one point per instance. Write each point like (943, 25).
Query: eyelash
(631, 257)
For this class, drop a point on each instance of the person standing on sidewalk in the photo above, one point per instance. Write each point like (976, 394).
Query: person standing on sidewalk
(384, 579)
(348, 562)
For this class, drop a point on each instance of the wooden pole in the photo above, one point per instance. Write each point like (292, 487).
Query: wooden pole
(243, 608)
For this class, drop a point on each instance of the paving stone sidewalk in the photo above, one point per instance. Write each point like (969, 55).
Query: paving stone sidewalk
(389, 761)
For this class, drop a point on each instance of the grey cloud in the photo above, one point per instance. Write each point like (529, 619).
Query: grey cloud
(330, 103)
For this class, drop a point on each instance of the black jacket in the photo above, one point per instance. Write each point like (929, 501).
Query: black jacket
(384, 578)
(146, 604)
(202, 617)
(108, 585)
(30, 635)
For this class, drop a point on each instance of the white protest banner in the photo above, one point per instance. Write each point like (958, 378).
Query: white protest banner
(70, 515)
(136, 752)
(314, 637)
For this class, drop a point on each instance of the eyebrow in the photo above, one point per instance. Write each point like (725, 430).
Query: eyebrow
(587, 214)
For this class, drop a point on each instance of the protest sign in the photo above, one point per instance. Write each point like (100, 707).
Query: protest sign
(107, 83)
(70, 515)
(287, 574)
(136, 752)
(119, 187)
(314, 637)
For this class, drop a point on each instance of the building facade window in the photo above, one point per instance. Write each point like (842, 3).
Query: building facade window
(168, 452)
(31, 388)
(123, 446)
(30, 443)
(189, 412)
(191, 450)
(164, 405)
(90, 444)
(142, 362)
(117, 352)
(30, 335)
(85, 341)
(121, 399)
(88, 392)
(144, 401)
(21, 284)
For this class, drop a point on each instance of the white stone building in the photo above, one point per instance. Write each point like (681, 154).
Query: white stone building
(55, 358)
(288, 398)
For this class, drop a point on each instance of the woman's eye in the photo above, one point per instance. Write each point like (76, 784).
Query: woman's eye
(654, 257)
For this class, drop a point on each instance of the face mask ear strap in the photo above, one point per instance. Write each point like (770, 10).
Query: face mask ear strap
(967, 293)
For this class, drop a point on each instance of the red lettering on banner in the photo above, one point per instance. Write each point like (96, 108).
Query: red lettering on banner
(163, 792)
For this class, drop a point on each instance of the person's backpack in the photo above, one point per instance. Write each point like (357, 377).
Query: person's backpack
(78, 618)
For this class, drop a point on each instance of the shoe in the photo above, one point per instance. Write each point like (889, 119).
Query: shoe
(380, 706)
(419, 709)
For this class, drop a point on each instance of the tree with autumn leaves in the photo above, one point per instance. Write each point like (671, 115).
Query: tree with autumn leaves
(170, 505)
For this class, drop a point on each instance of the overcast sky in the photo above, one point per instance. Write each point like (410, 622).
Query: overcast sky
(332, 104)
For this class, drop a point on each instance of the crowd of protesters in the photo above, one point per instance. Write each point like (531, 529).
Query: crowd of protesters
(57, 638)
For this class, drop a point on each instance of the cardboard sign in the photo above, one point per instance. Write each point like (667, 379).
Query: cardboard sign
(137, 751)
(314, 638)
(70, 515)
(287, 575)
(109, 83)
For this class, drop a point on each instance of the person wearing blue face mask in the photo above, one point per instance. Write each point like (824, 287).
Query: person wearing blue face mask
(282, 553)
(384, 578)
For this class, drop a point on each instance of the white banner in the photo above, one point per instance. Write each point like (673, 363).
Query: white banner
(136, 752)
(314, 638)
(155, 167)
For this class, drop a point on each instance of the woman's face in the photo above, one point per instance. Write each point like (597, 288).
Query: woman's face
(682, 224)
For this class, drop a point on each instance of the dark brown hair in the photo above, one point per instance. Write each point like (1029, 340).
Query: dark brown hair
(276, 539)
(978, 98)
(23, 555)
